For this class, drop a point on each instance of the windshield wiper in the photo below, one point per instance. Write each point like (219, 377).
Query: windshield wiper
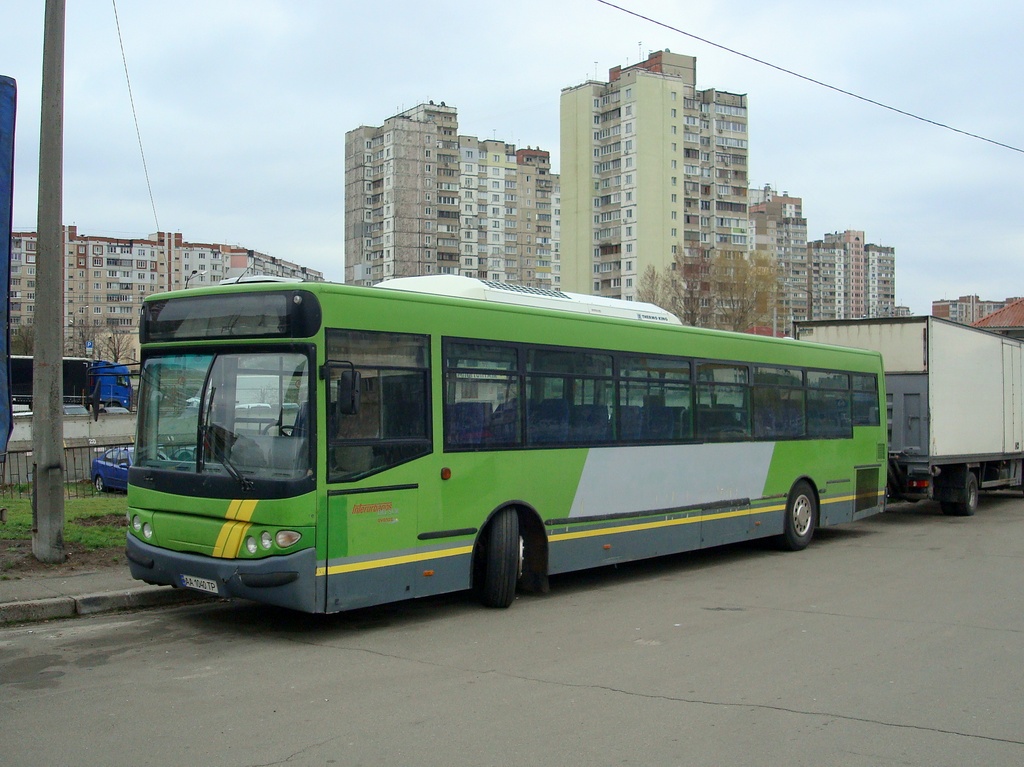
(216, 438)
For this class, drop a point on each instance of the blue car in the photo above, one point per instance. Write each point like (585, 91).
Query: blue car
(110, 470)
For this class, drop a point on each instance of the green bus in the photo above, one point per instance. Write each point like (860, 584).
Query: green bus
(326, 447)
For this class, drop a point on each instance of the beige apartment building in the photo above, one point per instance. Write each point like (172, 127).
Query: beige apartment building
(651, 167)
(107, 278)
(422, 199)
(778, 227)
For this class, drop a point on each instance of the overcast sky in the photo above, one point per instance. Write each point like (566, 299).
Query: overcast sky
(243, 107)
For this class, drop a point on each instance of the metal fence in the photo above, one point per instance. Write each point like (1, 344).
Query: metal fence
(16, 471)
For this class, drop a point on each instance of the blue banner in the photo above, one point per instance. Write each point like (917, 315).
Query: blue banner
(8, 102)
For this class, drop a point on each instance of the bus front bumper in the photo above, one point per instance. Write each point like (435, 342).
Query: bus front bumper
(288, 581)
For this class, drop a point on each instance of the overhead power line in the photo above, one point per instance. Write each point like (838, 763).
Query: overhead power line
(810, 79)
(135, 116)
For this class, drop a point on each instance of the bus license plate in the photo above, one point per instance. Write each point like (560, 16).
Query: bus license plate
(199, 584)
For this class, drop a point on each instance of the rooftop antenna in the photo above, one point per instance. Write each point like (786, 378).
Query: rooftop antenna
(640, 50)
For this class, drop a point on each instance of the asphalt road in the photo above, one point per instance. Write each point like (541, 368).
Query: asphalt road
(896, 640)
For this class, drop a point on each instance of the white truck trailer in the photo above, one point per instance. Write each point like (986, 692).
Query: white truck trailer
(955, 404)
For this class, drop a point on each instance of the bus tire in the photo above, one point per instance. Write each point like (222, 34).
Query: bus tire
(501, 560)
(801, 518)
(966, 507)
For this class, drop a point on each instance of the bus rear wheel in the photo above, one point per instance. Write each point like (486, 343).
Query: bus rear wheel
(501, 560)
(801, 518)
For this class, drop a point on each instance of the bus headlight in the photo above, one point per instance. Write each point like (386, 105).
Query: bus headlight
(286, 538)
(147, 530)
(250, 545)
(136, 523)
(266, 540)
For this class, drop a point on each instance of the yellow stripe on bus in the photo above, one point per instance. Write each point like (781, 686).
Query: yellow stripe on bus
(232, 532)
(373, 564)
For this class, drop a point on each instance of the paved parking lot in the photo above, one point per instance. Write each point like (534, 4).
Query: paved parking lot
(896, 640)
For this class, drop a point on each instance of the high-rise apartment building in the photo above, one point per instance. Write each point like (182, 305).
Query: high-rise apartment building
(421, 199)
(107, 278)
(651, 167)
(880, 279)
(778, 227)
(850, 279)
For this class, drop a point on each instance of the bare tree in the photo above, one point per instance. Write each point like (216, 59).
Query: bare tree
(118, 345)
(746, 289)
(80, 334)
(23, 340)
(649, 288)
(684, 288)
(692, 288)
(730, 290)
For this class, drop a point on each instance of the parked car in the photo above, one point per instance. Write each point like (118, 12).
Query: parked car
(110, 470)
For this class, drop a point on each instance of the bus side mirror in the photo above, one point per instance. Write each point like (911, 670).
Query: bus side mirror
(348, 386)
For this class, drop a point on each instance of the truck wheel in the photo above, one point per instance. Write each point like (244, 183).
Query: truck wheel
(501, 560)
(801, 518)
(967, 507)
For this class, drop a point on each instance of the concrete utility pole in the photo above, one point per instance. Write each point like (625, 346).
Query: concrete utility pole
(48, 375)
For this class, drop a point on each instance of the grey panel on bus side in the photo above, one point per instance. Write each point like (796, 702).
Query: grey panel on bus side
(586, 552)
(909, 428)
(364, 588)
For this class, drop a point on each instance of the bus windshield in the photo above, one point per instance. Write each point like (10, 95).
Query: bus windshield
(231, 414)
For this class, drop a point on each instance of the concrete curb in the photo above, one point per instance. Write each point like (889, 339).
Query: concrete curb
(93, 604)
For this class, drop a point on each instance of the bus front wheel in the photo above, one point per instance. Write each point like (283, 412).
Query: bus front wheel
(501, 560)
(801, 518)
